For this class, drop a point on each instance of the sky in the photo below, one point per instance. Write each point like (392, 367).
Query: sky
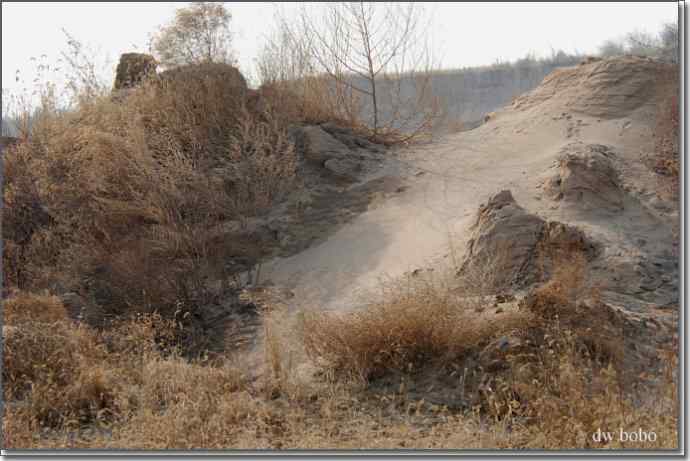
(467, 34)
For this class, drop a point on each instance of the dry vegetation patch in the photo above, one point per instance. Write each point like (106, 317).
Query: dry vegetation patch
(32, 308)
(536, 382)
(419, 324)
(116, 199)
(667, 135)
(547, 375)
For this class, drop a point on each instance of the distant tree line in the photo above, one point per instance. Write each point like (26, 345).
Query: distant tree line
(467, 94)
(663, 45)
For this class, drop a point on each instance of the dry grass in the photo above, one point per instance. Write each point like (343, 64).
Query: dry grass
(317, 99)
(32, 308)
(56, 373)
(667, 158)
(128, 388)
(555, 388)
(571, 399)
(418, 323)
(117, 198)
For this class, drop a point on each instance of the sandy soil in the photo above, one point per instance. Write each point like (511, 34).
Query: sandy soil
(607, 103)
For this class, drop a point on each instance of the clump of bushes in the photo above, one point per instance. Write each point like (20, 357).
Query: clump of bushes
(52, 365)
(412, 328)
(62, 377)
(117, 199)
(548, 374)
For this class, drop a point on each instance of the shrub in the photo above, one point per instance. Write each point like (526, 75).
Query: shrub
(561, 365)
(62, 381)
(565, 397)
(413, 327)
(195, 106)
(31, 354)
(25, 218)
(124, 388)
(54, 369)
(119, 199)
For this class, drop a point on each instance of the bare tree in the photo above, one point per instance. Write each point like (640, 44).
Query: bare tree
(199, 33)
(663, 45)
(668, 38)
(286, 63)
(376, 50)
(641, 43)
(285, 55)
(82, 70)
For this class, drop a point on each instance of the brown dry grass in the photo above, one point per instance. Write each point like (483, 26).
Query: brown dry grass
(117, 198)
(555, 389)
(127, 387)
(418, 323)
(55, 372)
(317, 381)
(667, 158)
(32, 308)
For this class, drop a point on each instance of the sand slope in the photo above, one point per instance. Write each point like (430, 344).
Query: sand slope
(609, 103)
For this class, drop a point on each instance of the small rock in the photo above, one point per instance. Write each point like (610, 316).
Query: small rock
(318, 145)
(343, 168)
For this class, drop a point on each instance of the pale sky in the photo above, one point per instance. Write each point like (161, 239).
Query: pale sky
(469, 34)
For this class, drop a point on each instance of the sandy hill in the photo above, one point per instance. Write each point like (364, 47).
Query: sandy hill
(573, 150)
